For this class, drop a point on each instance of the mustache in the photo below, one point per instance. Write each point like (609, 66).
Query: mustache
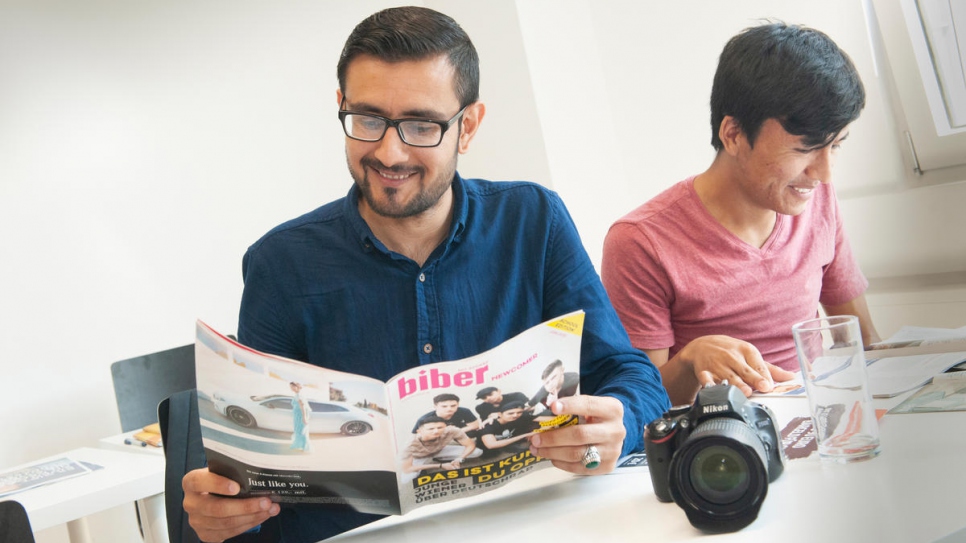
(375, 164)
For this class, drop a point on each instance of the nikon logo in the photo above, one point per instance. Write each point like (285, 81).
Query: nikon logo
(713, 409)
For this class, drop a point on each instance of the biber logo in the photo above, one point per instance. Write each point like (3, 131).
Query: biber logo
(440, 379)
(713, 409)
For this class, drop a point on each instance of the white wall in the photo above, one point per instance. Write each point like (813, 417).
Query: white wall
(143, 146)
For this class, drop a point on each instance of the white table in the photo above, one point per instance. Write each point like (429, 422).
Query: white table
(151, 512)
(914, 491)
(117, 443)
(125, 477)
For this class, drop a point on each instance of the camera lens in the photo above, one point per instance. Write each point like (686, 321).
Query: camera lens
(719, 474)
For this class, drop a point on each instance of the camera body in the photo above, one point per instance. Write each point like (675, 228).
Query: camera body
(715, 458)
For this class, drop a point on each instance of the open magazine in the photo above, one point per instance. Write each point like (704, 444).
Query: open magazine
(946, 392)
(906, 361)
(304, 434)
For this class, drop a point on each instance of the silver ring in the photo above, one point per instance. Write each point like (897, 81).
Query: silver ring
(592, 457)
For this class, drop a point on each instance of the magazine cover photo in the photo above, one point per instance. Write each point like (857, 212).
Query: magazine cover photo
(293, 431)
(462, 427)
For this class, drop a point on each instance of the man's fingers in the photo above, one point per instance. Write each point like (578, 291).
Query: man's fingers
(595, 407)
(779, 374)
(215, 518)
(203, 481)
(706, 378)
(603, 420)
(579, 435)
(755, 371)
(746, 384)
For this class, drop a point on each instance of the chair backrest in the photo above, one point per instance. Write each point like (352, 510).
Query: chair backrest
(14, 523)
(183, 452)
(140, 383)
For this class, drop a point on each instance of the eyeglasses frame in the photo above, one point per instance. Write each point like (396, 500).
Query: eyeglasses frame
(443, 125)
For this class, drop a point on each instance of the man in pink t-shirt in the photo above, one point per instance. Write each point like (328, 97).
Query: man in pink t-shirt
(709, 276)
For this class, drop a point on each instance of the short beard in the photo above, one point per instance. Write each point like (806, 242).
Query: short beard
(425, 199)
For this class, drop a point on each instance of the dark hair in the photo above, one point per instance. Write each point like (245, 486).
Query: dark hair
(415, 33)
(793, 74)
(446, 398)
(484, 392)
(550, 367)
(511, 405)
(428, 419)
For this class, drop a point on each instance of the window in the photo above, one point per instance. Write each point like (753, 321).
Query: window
(278, 404)
(319, 407)
(924, 43)
(940, 51)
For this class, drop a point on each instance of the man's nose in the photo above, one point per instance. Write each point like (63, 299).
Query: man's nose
(391, 148)
(821, 166)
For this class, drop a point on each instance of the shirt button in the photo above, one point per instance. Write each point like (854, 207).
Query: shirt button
(428, 348)
(422, 278)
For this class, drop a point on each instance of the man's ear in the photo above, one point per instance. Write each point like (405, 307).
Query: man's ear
(469, 124)
(731, 135)
(338, 97)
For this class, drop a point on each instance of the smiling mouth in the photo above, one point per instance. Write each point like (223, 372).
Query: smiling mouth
(803, 190)
(394, 176)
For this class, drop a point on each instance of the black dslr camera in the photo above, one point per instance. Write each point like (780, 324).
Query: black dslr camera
(715, 458)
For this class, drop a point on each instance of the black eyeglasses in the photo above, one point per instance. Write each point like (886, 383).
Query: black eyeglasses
(415, 132)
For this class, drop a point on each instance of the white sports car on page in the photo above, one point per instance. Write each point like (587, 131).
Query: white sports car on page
(274, 412)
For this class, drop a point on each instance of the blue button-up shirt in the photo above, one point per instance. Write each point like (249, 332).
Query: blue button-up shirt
(321, 288)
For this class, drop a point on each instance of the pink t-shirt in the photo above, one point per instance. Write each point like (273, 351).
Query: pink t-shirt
(674, 274)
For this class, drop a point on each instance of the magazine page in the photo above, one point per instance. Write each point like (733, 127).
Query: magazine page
(294, 431)
(916, 340)
(892, 376)
(462, 426)
(40, 473)
(946, 392)
(888, 376)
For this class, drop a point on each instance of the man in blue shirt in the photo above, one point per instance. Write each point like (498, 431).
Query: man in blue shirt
(418, 265)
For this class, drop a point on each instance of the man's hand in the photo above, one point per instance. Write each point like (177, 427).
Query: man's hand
(603, 426)
(718, 358)
(216, 518)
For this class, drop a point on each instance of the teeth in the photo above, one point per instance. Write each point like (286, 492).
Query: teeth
(394, 177)
(802, 191)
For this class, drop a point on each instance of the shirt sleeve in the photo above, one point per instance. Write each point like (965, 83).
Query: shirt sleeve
(265, 320)
(638, 286)
(842, 279)
(609, 364)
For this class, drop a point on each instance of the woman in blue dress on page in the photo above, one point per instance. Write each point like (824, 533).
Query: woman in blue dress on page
(300, 419)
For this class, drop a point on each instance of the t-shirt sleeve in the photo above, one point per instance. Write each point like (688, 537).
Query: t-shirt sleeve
(842, 279)
(638, 286)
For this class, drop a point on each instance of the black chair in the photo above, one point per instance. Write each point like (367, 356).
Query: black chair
(183, 452)
(140, 383)
(14, 523)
